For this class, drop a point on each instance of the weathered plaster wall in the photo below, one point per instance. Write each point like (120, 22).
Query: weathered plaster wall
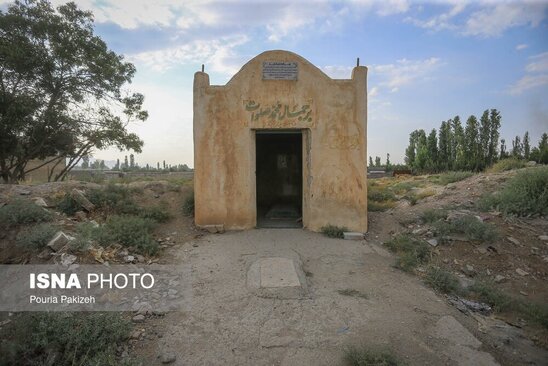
(333, 117)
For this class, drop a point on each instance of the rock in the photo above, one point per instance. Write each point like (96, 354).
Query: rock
(348, 235)
(45, 254)
(469, 270)
(214, 229)
(433, 242)
(67, 259)
(513, 240)
(40, 202)
(531, 163)
(94, 223)
(59, 241)
(135, 334)
(419, 231)
(521, 272)
(79, 197)
(80, 216)
(139, 318)
(23, 192)
(500, 278)
(543, 237)
(129, 259)
(144, 309)
(464, 305)
(140, 258)
(168, 357)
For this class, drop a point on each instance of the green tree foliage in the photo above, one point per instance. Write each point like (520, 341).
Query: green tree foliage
(61, 89)
(377, 161)
(472, 148)
(526, 145)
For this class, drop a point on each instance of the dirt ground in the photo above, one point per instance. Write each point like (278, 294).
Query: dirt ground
(351, 292)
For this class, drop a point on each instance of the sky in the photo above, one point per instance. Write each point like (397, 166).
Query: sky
(428, 61)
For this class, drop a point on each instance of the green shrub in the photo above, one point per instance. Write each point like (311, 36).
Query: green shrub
(474, 229)
(411, 251)
(375, 206)
(115, 199)
(524, 194)
(404, 187)
(486, 292)
(130, 231)
(380, 194)
(156, 213)
(433, 215)
(451, 177)
(507, 164)
(334, 231)
(68, 205)
(365, 356)
(188, 205)
(442, 280)
(88, 339)
(37, 236)
(23, 212)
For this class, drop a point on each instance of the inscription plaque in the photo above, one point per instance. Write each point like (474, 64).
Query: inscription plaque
(273, 70)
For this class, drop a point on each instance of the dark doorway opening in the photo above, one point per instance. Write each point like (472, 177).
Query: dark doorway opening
(279, 178)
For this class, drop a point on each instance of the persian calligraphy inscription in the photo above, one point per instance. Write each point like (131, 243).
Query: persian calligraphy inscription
(279, 115)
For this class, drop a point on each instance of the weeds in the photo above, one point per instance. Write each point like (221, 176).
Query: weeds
(188, 205)
(157, 213)
(507, 164)
(365, 356)
(450, 177)
(334, 231)
(433, 215)
(374, 206)
(129, 231)
(23, 212)
(37, 236)
(474, 229)
(115, 199)
(524, 194)
(411, 251)
(68, 205)
(64, 339)
(443, 281)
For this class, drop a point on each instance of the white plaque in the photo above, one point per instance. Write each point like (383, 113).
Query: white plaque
(275, 70)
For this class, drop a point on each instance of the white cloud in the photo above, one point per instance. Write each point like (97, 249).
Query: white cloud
(494, 20)
(218, 54)
(521, 46)
(486, 18)
(539, 63)
(403, 72)
(536, 74)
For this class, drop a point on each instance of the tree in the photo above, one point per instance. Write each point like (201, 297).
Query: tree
(444, 146)
(472, 146)
(517, 148)
(61, 90)
(164, 164)
(410, 150)
(526, 146)
(102, 165)
(388, 165)
(484, 139)
(158, 165)
(432, 148)
(494, 127)
(131, 161)
(371, 161)
(540, 153)
(377, 161)
(117, 166)
(85, 162)
(503, 153)
(421, 159)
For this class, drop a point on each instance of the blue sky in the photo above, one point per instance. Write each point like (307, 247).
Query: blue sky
(428, 61)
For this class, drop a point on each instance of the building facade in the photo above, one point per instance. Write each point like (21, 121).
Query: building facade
(281, 145)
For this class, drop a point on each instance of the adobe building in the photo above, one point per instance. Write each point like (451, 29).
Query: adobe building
(281, 145)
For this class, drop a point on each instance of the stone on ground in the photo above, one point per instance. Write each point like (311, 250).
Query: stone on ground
(348, 235)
